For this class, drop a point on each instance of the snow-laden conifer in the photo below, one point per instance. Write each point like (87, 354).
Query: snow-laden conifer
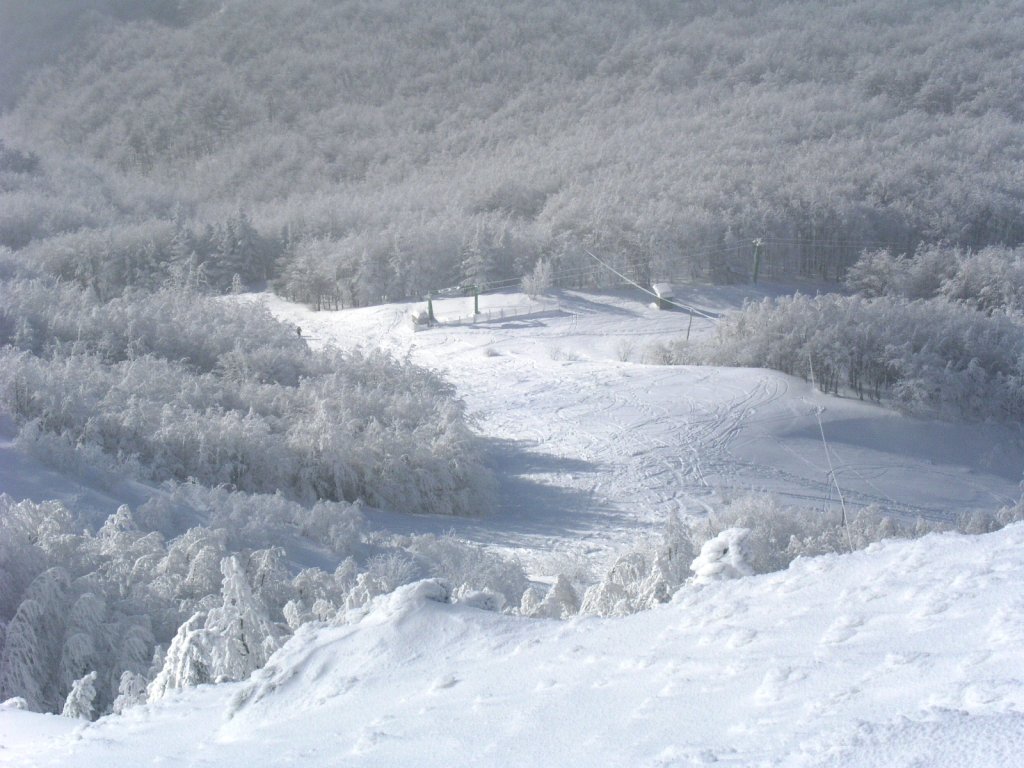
(186, 663)
(131, 691)
(79, 703)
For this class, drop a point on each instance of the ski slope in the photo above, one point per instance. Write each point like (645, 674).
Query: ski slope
(905, 654)
(593, 447)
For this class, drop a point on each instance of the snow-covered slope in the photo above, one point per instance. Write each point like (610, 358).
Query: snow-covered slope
(905, 654)
(593, 447)
(92, 493)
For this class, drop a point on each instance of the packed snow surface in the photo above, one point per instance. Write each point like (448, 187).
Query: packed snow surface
(594, 445)
(905, 654)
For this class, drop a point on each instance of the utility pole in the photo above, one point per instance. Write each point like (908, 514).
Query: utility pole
(758, 246)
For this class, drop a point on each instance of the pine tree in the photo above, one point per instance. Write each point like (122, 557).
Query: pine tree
(223, 262)
(371, 279)
(79, 703)
(131, 691)
(229, 643)
(186, 663)
(475, 261)
(253, 261)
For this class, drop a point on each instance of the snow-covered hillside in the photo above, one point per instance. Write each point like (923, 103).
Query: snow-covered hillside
(594, 447)
(345, 418)
(905, 654)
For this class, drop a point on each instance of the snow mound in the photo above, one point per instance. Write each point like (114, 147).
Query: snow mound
(844, 660)
(319, 664)
(906, 653)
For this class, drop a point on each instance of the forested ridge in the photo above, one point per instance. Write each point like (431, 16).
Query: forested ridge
(386, 149)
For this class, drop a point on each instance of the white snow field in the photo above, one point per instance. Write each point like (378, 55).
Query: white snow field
(905, 654)
(592, 450)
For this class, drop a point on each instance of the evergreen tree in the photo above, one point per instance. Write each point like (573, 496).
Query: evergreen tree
(131, 691)
(186, 663)
(475, 260)
(371, 279)
(79, 703)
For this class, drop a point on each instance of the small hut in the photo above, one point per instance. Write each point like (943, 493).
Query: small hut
(665, 294)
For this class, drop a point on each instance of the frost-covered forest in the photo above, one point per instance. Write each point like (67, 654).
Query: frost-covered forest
(159, 158)
(938, 333)
(361, 150)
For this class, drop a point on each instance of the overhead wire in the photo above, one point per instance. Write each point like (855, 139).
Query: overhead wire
(691, 310)
(577, 273)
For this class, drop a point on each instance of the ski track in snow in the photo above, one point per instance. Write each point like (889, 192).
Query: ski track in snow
(613, 447)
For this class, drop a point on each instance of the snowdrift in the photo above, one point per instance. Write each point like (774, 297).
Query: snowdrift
(906, 651)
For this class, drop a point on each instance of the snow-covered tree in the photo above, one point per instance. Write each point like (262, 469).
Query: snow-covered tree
(538, 281)
(531, 600)
(560, 602)
(616, 594)
(722, 557)
(384, 574)
(186, 663)
(131, 691)
(79, 703)
(240, 636)
(84, 641)
(23, 663)
(229, 642)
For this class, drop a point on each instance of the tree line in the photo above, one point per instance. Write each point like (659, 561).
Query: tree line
(382, 150)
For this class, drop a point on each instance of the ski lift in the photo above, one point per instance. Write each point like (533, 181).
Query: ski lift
(665, 293)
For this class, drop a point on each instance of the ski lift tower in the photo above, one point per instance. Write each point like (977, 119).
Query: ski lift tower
(665, 293)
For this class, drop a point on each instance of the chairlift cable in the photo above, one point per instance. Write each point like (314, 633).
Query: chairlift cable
(691, 310)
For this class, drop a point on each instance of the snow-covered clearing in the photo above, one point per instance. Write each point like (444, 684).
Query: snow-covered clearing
(594, 447)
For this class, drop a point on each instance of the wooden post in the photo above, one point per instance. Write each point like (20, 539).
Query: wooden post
(476, 300)
(430, 309)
